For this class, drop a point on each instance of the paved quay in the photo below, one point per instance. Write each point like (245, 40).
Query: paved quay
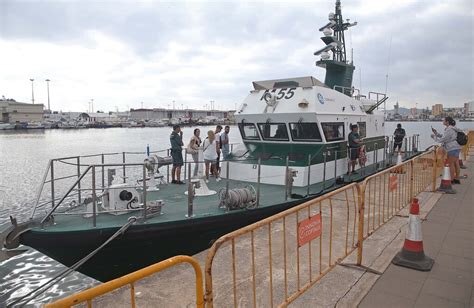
(448, 238)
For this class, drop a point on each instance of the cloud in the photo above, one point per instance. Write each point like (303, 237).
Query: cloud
(122, 53)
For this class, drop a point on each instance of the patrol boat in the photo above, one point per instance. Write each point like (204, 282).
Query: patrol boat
(294, 133)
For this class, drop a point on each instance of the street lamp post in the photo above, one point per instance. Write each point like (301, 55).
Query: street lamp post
(47, 88)
(32, 91)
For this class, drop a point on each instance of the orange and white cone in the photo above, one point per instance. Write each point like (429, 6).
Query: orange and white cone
(446, 185)
(412, 254)
(461, 164)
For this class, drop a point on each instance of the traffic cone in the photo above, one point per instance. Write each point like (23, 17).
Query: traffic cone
(445, 185)
(412, 254)
(461, 164)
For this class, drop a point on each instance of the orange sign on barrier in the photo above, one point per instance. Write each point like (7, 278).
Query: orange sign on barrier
(393, 182)
(309, 229)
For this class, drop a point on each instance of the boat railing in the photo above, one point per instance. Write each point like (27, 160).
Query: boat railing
(70, 177)
(80, 180)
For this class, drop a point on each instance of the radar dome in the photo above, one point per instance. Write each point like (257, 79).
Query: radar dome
(331, 16)
(325, 56)
(327, 31)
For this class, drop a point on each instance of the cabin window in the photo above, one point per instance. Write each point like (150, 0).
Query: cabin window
(333, 131)
(273, 131)
(248, 131)
(362, 129)
(305, 132)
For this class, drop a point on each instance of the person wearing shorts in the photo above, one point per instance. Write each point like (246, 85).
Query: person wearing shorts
(398, 136)
(209, 151)
(176, 141)
(354, 145)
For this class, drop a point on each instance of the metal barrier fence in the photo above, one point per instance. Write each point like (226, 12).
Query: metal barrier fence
(391, 190)
(131, 279)
(291, 249)
(275, 260)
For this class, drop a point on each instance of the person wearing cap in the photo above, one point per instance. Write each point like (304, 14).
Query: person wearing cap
(176, 140)
(398, 136)
(354, 145)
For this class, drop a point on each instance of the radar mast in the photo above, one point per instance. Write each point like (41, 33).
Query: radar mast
(339, 70)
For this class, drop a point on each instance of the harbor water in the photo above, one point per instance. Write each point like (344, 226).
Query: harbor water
(23, 159)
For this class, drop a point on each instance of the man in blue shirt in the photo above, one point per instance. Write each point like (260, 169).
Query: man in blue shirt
(354, 144)
(176, 140)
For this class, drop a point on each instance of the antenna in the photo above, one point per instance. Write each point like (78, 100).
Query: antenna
(386, 76)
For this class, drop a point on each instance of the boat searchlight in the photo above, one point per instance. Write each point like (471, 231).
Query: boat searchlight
(303, 104)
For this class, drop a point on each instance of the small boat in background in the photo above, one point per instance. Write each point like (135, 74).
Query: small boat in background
(5, 126)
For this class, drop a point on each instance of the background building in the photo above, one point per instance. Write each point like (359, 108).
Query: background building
(469, 109)
(437, 110)
(178, 114)
(16, 112)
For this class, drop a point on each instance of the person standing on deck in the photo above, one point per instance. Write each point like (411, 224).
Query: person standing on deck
(217, 135)
(176, 140)
(224, 140)
(451, 146)
(354, 145)
(193, 147)
(398, 136)
(210, 149)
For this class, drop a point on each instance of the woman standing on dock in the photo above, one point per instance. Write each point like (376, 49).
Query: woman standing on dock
(450, 145)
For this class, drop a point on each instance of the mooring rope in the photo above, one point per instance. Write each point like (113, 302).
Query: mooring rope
(68, 270)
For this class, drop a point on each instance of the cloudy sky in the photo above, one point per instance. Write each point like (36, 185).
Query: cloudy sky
(121, 53)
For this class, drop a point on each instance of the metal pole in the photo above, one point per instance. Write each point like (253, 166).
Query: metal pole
(123, 161)
(435, 169)
(324, 170)
(52, 182)
(309, 173)
(168, 166)
(376, 155)
(144, 191)
(227, 179)
(286, 177)
(335, 165)
(78, 176)
(384, 151)
(360, 231)
(94, 218)
(390, 151)
(32, 91)
(103, 171)
(258, 181)
(190, 194)
(47, 87)
(185, 159)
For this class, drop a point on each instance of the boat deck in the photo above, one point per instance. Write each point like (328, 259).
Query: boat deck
(176, 203)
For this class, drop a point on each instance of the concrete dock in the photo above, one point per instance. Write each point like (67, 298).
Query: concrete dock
(448, 235)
